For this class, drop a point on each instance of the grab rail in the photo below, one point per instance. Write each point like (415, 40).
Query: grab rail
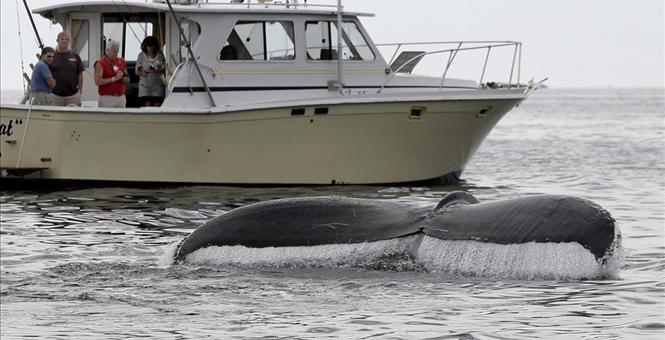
(255, 3)
(489, 45)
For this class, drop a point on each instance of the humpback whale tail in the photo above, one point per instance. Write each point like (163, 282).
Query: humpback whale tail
(542, 218)
(434, 237)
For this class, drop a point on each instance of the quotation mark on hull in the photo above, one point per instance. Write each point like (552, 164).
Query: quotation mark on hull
(8, 128)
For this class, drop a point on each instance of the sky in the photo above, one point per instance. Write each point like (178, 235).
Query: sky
(573, 43)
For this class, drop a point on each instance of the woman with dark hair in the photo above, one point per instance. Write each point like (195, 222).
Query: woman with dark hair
(149, 67)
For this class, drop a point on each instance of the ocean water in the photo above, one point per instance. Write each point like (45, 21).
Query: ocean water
(97, 262)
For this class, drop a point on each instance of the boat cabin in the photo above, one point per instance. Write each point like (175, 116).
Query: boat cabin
(91, 24)
(240, 48)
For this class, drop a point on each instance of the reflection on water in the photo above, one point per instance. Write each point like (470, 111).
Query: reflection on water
(94, 262)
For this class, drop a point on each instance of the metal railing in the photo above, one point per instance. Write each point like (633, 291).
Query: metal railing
(452, 54)
(255, 3)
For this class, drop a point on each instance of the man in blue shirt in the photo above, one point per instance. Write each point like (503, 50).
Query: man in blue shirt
(42, 79)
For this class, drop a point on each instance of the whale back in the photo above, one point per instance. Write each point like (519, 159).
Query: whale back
(305, 222)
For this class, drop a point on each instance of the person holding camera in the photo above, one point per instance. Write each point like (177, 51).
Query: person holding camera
(110, 76)
(150, 65)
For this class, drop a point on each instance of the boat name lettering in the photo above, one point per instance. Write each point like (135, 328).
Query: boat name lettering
(6, 129)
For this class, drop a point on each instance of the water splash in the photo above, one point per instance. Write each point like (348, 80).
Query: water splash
(530, 260)
(423, 253)
(368, 255)
(167, 258)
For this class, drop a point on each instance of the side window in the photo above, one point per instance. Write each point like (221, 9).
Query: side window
(319, 41)
(80, 37)
(279, 40)
(260, 40)
(322, 41)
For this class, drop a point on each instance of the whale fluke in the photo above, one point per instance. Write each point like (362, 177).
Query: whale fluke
(305, 222)
(311, 221)
(543, 218)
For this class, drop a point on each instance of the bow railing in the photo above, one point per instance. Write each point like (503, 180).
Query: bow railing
(255, 3)
(407, 65)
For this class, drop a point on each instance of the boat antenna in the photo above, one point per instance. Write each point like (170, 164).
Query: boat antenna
(337, 85)
(340, 32)
(26, 79)
(34, 28)
(191, 53)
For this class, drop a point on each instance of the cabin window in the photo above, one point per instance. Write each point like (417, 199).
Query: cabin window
(260, 40)
(80, 38)
(322, 41)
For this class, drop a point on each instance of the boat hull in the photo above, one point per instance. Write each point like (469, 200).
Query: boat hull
(353, 143)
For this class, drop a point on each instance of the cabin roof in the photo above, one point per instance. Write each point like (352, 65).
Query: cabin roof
(239, 8)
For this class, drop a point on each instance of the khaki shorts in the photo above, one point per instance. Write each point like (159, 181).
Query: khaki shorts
(41, 98)
(74, 100)
(112, 101)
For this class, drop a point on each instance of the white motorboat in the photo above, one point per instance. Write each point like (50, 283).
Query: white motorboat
(285, 109)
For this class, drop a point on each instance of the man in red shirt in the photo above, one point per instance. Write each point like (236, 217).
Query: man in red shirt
(110, 76)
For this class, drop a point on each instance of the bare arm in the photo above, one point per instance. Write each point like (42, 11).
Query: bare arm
(98, 75)
(50, 82)
(99, 81)
(80, 82)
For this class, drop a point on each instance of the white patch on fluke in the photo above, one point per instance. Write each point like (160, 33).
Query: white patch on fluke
(530, 260)
(329, 255)
(467, 258)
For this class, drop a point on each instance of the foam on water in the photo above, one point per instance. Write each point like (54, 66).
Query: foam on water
(168, 255)
(530, 260)
(420, 252)
(367, 254)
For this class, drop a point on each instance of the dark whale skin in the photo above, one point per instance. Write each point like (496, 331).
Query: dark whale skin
(305, 221)
(543, 218)
(310, 221)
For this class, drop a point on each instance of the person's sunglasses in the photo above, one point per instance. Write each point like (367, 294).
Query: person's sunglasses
(50, 56)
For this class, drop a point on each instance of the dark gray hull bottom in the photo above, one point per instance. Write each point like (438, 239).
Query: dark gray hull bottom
(32, 181)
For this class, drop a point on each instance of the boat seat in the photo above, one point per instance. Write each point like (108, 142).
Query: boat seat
(403, 58)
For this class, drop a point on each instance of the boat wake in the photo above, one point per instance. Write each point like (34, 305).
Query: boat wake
(524, 261)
